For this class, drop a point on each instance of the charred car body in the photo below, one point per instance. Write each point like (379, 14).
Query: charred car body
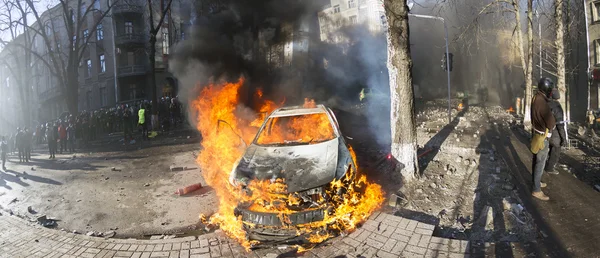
(303, 149)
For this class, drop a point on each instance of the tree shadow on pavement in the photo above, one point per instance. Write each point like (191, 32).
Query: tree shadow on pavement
(31, 177)
(6, 177)
(488, 218)
(522, 179)
(438, 139)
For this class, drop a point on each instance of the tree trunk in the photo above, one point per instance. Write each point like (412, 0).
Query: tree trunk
(404, 134)
(71, 94)
(529, 71)
(560, 52)
(520, 42)
(152, 78)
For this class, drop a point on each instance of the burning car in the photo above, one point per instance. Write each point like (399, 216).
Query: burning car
(293, 174)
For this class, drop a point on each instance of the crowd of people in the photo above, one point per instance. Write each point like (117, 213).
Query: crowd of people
(69, 132)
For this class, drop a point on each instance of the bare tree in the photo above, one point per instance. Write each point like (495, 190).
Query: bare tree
(560, 51)
(153, 30)
(529, 69)
(61, 30)
(17, 61)
(404, 134)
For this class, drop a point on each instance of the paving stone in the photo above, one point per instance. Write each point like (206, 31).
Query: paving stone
(202, 250)
(350, 241)
(145, 255)
(427, 232)
(363, 236)
(439, 247)
(389, 245)
(414, 239)
(203, 242)
(407, 254)
(436, 254)
(398, 248)
(415, 249)
(184, 253)
(425, 226)
(215, 251)
(176, 246)
(412, 225)
(136, 255)
(454, 246)
(124, 254)
(424, 242)
(160, 254)
(185, 245)
(202, 256)
(174, 254)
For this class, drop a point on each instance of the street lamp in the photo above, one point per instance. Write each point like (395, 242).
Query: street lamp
(410, 5)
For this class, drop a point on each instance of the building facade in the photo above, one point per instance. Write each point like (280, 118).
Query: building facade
(114, 65)
(340, 13)
(593, 37)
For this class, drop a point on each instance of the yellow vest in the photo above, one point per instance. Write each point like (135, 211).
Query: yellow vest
(142, 118)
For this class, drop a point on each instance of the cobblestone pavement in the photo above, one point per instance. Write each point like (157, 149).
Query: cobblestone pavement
(383, 235)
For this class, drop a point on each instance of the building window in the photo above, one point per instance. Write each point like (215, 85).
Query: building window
(89, 68)
(102, 63)
(99, 32)
(103, 97)
(132, 91)
(86, 33)
(353, 19)
(72, 16)
(97, 4)
(74, 41)
(128, 27)
(165, 41)
(351, 3)
(596, 11)
(336, 9)
(83, 9)
(48, 28)
(597, 50)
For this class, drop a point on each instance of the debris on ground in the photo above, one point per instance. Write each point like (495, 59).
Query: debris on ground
(46, 222)
(188, 189)
(465, 186)
(109, 234)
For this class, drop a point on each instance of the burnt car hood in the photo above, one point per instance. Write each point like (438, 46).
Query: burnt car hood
(302, 166)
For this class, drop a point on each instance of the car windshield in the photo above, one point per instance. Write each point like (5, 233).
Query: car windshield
(296, 130)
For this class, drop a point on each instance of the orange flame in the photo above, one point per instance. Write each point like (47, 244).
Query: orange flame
(510, 110)
(460, 106)
(223, 133)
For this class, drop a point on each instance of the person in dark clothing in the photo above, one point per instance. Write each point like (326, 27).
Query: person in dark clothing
(543, 122)
(27, 141)
(559, 135)
(3, 151)
(62, 134)
(52, 137)
(19, 144)
(71, 138)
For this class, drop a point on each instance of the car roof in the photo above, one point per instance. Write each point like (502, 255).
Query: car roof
(298, 110)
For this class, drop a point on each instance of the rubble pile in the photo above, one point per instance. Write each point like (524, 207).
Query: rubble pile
(465, 184)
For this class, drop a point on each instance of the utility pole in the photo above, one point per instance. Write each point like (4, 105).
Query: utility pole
(447, 55)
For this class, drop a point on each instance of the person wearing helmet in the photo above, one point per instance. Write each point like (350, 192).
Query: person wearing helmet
(542, 122)
(559, 134)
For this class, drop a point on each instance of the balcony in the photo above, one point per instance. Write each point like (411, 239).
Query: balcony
(132, 70)
(127, 8)
(130, 39)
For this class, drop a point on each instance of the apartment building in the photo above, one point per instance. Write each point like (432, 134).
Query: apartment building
(593, 23)
(114, 67)
(340, 13)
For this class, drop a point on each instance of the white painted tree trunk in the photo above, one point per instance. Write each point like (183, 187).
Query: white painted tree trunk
(404, 134)
(529, 71)
(560, 53)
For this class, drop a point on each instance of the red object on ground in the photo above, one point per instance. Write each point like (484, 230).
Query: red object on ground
(188, 189)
